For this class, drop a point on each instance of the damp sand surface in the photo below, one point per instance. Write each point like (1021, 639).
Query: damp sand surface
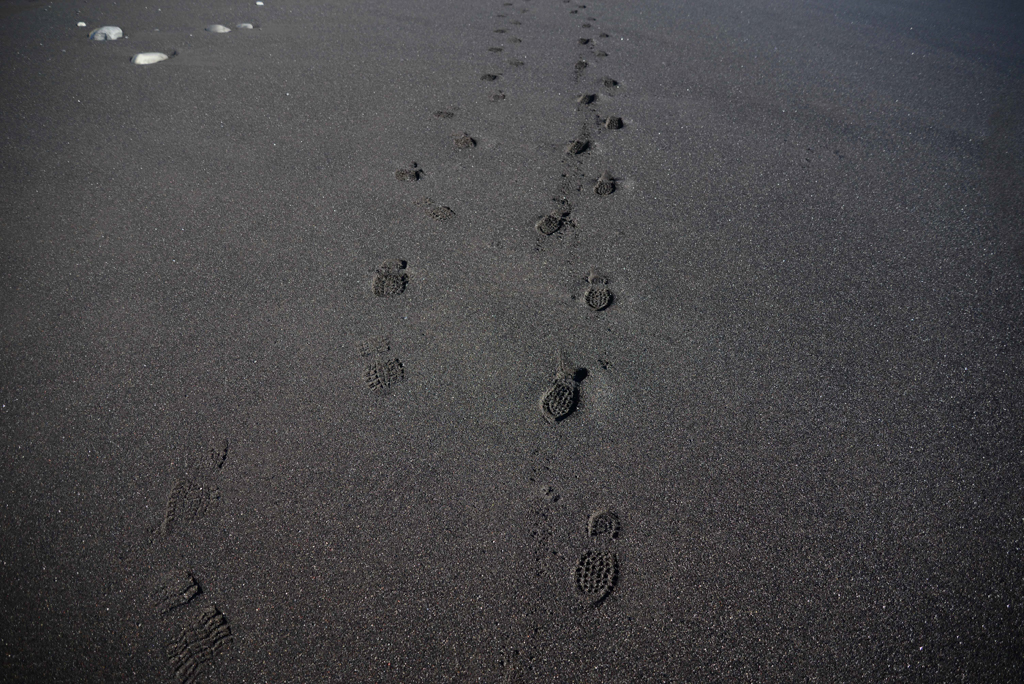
(275, 350)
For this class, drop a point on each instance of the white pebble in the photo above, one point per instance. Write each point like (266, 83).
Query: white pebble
(81, 24)
(148, 58)
(217, 28)
(259, 3)
(106, 33)
(244, 26)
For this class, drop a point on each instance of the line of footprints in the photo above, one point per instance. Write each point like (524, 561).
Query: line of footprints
(203, 630)
(595, 573)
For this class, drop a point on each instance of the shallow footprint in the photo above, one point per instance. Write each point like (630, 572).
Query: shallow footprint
(438, 212)
(464, 141)
(410, 174)
(603, 522)
(389, 280)
(382, 375)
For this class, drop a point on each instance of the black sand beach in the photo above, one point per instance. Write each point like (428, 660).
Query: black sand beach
(299, 384)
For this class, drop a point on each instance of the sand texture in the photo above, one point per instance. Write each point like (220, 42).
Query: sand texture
(533, 341)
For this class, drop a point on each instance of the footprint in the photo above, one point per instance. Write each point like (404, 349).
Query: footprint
(595, 575)
(410, 174)
(598, 295)
(494, 49)
(578, 146)
(218, 28)
(580, 65)
(144, 58)
(516, 22)
(515, 40)
(489, 77)
(382, 375)
(516, 62)
(609, 82)
(586, 99)
(378, 344)
(186, 504)
(441, 114)
(560, 399)
(553, 222)
(198, 644)
(498, 96)
(389, 281)
(438, 212)
(613, 122)
(603, 35)
(605, 184)
(175, 590)
(106, 33)
(584, 25)
(584, 41)
(464, 141)
(601, 53)
(500, 31)
(603, 522)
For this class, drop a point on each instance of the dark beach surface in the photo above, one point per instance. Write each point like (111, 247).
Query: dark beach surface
(270, 393)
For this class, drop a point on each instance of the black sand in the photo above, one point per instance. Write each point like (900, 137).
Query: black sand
(803, 402)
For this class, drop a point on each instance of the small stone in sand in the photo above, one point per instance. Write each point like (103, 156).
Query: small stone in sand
(148, 58)
(218, 28)
(106, 33)
(81, 24)
(244, 25)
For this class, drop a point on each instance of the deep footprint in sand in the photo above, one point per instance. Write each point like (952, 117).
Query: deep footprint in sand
(605, 184)
(464, 141)
(578, 146)
(598, 295)
(613, 123)
(560, 399)
(175, 590)
(595, 575)
(586, 99)
(389, 280)
(198, 644)
(554, 221)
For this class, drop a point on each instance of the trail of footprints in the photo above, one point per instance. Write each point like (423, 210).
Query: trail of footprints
(198, 639)
(200, 634)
